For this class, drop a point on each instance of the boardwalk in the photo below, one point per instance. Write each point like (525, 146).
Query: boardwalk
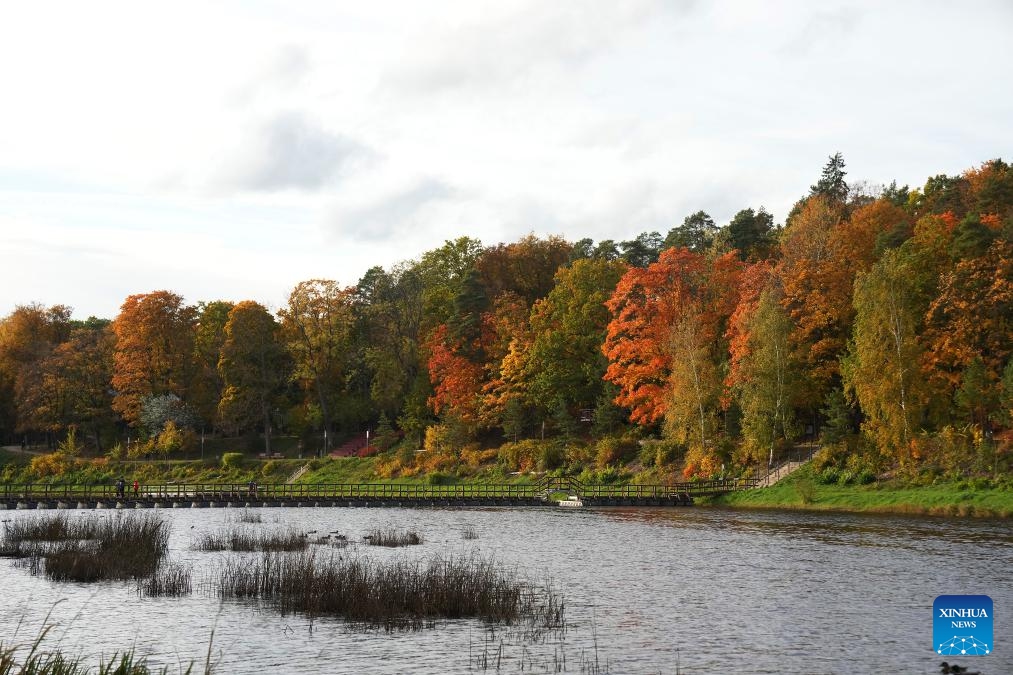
(545, 492)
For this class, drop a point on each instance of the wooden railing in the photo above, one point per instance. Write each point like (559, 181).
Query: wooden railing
(268, 491)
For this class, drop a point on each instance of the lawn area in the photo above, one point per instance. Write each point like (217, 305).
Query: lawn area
(800, 491)
(362, 470)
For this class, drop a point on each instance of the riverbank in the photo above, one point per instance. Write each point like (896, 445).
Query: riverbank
(801, 492)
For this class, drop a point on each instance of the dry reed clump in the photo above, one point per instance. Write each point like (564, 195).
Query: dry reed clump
(243, 541)
(393, 595)
(392, 537)
(248, 517)
(125, 546)
(173, 581)
(469, 533)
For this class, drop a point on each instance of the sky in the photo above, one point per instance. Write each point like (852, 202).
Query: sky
(229, 150)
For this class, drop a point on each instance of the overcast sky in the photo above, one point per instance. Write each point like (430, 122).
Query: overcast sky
(228, 150)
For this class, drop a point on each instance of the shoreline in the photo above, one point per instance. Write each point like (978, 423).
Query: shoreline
(948, 500)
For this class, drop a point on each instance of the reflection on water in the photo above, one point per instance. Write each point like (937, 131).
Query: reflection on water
(714, 590)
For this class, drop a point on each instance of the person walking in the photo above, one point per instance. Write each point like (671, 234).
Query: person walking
(120, 487)
(137, 487)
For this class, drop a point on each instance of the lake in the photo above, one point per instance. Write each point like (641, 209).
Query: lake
(700, 590)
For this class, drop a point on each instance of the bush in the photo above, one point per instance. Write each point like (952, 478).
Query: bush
(806, 489)
(439, 478)
(551, 457)
(232, 460)
(827, 476)
(53, 464)
(865, 477)
(268, 468)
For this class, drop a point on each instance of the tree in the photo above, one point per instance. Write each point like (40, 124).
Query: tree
(317, 329)
(817, 280)
(209, 336)
(831, 184)
(28, 338)
(882, 369)
(565, 361)
(158, 411)
(646, 306)
(749, 232)
(391, 325)
(971, 317)
(767, 386)
(76, 374)
(1004, 414)
(643, 250)
(442, 272)
(456, 379)
(526, 267)
(696, 233)
(694, 382)
(254, 367)
(977, 396)
(154, 350)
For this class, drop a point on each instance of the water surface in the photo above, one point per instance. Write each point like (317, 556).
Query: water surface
(646, 591)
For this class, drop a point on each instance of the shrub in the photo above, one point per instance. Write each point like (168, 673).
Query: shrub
(232, 460)
(865, 477)
(439, 478)
(551, 457)
(53, 464)
(606, 452)
(806, 489)
(827, 476)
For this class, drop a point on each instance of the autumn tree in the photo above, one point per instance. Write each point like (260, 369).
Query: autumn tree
(254, 367)
(209, 336)
(317, 327)
(766, 385)
(882, 369)
(647, 306)
(691, 411)
(154, 350)
(28, 337)
(77, 374)
(971, 318)
(526, 267)
(820, 255)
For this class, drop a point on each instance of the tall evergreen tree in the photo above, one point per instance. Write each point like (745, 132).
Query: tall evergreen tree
(831, 183)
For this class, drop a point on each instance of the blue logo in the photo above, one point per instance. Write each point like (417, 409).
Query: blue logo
(962, 625)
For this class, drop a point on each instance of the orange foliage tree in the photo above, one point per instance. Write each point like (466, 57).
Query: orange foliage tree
(154, 350)
(647, 306)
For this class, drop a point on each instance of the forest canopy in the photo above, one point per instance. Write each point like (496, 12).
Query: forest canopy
(875, 319)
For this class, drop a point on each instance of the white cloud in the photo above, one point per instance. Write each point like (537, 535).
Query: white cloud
(290, 151)
(230, 150)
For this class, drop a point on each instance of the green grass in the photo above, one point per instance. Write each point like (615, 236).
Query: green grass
(362, 470)
(952, 499)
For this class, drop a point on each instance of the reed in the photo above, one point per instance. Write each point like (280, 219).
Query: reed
(40, 661)
(392, 537)
(125, 546)
(173, 581)
(248, 517)
(393, 595)
(241, 540)
(469, 533)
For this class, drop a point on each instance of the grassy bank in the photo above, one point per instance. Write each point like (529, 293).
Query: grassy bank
(800, 491)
